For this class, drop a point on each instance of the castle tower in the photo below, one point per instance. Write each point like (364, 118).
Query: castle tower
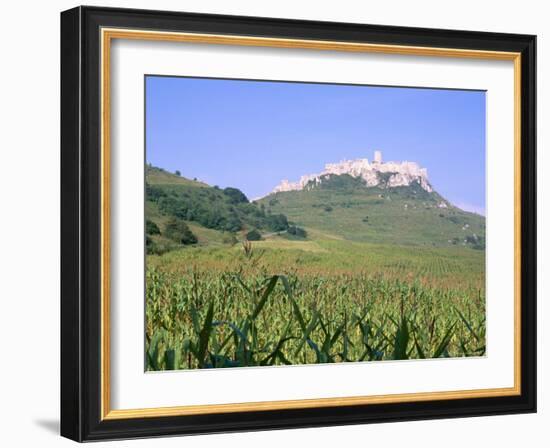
(377, 156)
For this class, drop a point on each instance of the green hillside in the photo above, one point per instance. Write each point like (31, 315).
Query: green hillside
(342, 205)
(158, 176)
(198, 213)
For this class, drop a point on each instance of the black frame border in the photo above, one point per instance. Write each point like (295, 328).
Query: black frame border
(81, 223)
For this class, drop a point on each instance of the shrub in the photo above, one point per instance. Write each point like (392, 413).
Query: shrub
(230, 238)
(253, 235)
(476, 242)
(155, 248)
(154, 193)
(277, 222)
(235, 195)
(297, 231)
(151, 228)
(179, 232)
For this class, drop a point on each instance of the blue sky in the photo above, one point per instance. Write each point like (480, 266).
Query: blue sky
(253, 134)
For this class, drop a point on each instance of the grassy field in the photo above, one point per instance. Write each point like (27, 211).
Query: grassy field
(449, 267)
(377, 275)
(282, 302)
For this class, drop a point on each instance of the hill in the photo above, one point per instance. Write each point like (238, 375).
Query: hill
(328, 206)
(181, 211)
(409, 215)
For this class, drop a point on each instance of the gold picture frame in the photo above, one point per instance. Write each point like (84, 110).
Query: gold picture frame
(106, 31)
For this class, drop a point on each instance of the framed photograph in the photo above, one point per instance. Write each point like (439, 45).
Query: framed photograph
(274, 223)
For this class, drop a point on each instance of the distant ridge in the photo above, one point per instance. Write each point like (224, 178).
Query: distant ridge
(376, 174)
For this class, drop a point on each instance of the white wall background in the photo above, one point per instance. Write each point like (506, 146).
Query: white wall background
(29, 225)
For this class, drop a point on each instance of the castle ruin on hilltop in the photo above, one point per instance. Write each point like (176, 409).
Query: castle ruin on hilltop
(377, 173)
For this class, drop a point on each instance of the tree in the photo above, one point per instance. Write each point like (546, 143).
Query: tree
(235, 195)
(476, 242)
(253, 235)
(297, 231)
(277, 222)
(154, 193)
(178, 173)
(232, 223)
(178, 231)
(151, 228)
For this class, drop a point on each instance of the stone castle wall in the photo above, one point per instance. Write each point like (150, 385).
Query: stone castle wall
(404, 173)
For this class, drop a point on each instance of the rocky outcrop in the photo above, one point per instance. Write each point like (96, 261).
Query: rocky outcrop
(376, 174)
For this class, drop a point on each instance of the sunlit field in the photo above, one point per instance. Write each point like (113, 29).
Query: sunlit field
(280, 302)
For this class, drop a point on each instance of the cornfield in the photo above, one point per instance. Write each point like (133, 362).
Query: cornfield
(251, 317)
